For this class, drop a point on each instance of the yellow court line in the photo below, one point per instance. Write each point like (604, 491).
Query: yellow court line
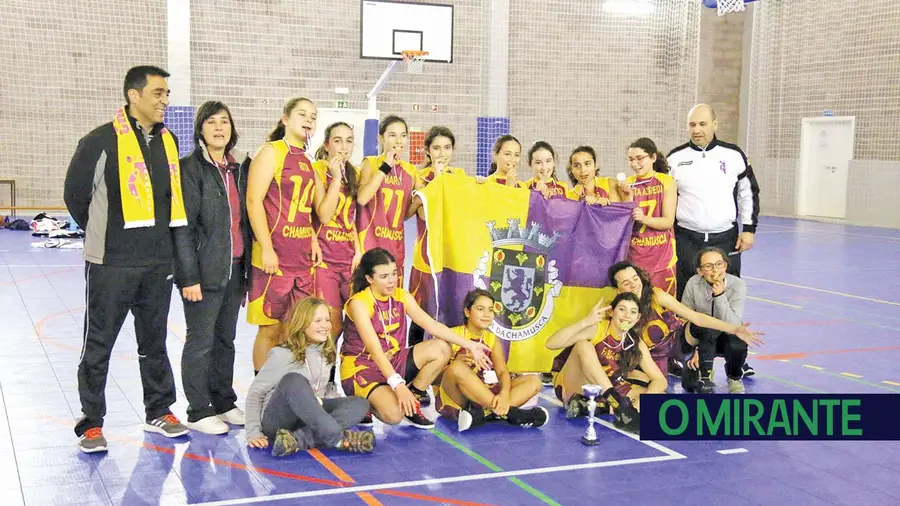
(850, 375)
(783, 360)
(814, 367)
(886, 382)
(794, 306)
(832, 292)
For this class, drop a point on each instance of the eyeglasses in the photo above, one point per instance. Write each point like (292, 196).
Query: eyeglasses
(709, 267)
(637, 159)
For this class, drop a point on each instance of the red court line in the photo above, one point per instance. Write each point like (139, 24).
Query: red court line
(316, 454)
(39, 330)
(244, 467)
(200, 458)
(788, 356)
(798, 324)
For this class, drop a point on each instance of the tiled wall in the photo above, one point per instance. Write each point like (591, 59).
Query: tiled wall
(577, 75)
(61, 71)
(582, 75)
(719, 82)
(279, 50)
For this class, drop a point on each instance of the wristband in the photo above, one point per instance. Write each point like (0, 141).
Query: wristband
(395, 381)
(385, 168)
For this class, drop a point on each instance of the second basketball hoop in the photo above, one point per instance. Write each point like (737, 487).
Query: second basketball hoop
(415, 61)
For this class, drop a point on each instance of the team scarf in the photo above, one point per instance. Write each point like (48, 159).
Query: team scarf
(134, 178)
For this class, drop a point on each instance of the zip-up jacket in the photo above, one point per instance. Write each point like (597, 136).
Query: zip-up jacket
(716, 187)
(203, 249)
(727, 306)
(94, 199)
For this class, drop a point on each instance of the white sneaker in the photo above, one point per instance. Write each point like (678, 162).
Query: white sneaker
(735, 386)
(209, 425)
(235, 417)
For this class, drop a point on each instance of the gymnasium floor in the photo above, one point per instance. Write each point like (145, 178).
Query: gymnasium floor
(825, 294)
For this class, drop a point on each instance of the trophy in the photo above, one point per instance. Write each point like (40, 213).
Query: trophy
(590, 435)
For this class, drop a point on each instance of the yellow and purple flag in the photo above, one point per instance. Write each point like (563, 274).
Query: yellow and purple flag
(545, 261)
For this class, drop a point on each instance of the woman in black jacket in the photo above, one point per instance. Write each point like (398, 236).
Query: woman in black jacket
(212, 258)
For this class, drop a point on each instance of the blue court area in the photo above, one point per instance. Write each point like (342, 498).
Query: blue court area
(825, 294)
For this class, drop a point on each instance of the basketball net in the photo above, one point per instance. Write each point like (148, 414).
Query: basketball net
(726, 6)
(415, 61)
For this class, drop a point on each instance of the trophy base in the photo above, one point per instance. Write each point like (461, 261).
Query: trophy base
(589, 442)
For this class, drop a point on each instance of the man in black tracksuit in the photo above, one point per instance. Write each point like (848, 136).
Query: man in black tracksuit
(125, 269)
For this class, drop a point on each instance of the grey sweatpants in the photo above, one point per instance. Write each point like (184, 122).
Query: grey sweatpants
(294, 406)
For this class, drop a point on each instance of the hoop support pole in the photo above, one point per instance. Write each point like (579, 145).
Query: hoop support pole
(383, 80)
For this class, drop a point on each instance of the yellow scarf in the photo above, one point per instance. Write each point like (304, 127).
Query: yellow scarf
(134, 178)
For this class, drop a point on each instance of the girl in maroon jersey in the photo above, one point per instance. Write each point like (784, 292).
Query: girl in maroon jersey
(336, 226)
(338, 239)
(386, 186)
(603, 349)
(505, 167)
(542, 160)
(375, 363)
(282, 192)
(588, 186)
(656, 193)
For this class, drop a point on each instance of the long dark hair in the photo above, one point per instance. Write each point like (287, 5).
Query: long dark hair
(204, 112)
(433, 133)
(649, 147)
(629, 358)
(277, 132)
(646, 286)
(498, 145)
(367, 264)
(349, 170)
(542, 145)
(472, 296)
(580, 149)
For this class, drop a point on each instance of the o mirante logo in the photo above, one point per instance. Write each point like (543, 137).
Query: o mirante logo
(769, 416)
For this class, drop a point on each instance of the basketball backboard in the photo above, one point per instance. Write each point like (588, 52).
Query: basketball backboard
(389, 27)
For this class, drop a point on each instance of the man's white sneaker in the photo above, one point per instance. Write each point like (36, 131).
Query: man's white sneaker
(209, 425)
(234, 416)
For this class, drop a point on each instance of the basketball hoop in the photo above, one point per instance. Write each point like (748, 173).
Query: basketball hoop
(415, 61)
(726, 6)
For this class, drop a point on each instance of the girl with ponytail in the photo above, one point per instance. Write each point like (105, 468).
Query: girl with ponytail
(386, 186)
(336, 225)
(283, 194)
